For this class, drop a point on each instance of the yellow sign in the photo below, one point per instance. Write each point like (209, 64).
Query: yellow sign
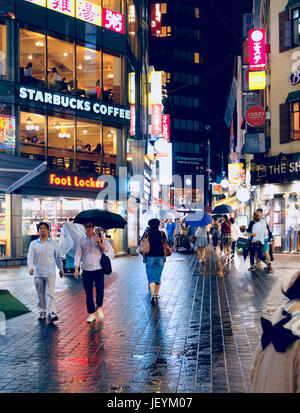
(63, 6)
(88, 11)
(236, 173)
(38, 2)
(257, 80)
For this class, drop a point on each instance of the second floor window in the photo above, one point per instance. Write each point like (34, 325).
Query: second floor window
(296, 27)
(295, 121)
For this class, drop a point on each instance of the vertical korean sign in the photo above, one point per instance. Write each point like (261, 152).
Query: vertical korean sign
(112, 20)
(155, 19)
(166, 127)
(156, 106)
(131, 100)
(257, 49)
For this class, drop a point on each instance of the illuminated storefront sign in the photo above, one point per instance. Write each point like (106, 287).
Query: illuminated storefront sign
(257, 49)
(155, 19)
(112, 20)
(132, 120)
(7, 132)
(166, 127)
(236, 173)
(216, 189)
(88, 12)
(62, 6)
(131, 88)
(156, 87)
(156, 121)
(257, 80)
(69, 102)
(165, 166)
(75, 182)
(256, 116)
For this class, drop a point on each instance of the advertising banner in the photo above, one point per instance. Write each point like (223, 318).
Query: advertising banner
(257, 49)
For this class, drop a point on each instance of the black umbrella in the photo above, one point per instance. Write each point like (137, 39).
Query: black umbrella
(101, 218)
(222, 209)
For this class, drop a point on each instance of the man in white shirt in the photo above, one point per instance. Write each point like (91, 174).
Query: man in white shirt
(43, 256)
(89, 249)
(259, 212)
(259, 233)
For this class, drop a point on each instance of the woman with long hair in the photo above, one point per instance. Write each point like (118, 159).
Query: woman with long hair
(226, 237)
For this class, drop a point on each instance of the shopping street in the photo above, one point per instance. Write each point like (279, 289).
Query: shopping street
(199, 338)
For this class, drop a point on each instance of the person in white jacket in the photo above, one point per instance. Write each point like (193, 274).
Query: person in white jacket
(43, 257)
(235, 233)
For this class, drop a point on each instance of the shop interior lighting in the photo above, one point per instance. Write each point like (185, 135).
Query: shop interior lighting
(85, 131)
(39, 44)
(30, 57)
(79, 67)
(56, 125)
(65, 54)
(110, 76)
(87, 58)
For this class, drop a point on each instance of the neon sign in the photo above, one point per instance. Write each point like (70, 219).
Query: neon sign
(257, 49)
(75, 182)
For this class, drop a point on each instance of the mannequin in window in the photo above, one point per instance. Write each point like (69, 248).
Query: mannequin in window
(292, 217)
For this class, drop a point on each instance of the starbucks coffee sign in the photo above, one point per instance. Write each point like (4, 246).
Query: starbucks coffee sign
(71, 102)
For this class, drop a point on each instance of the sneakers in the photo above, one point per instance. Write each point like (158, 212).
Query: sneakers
(42, 316)
(156, 297)
(100, 313)
(152, 299)
(286, 252)
(91, 318)
(252, 268)
(52, 317)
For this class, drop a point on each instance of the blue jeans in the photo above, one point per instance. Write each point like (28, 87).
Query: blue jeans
(154, 268)
(287, 239)
(171, 240)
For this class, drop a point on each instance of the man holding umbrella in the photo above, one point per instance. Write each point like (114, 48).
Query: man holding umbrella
(89, 250)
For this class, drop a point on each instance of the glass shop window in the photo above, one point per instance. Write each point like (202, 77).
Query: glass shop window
(112, 79)
(88, 146)
(88, 66)
(61, 138)
(32, 58)
(3, 52)
(115, 5)
(33, 135)
(61, 65)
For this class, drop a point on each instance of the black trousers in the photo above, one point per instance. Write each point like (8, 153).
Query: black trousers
(91, 278)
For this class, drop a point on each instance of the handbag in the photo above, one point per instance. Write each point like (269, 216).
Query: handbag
(192, 239)
(105, 264)
(144, 246)
(243, 243)
(166, 246)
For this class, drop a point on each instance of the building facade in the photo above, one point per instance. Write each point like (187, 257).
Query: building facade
(64, 103)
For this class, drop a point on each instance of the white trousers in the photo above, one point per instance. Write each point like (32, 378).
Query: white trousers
(45, 289)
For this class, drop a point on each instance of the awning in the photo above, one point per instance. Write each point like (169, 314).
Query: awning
(16, 171)
(293, 96)
(292, 3)
(232, 201)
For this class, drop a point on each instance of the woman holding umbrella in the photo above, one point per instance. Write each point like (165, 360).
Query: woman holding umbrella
(200, 220)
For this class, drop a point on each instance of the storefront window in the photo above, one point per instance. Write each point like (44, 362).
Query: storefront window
(88, 64)
(88, 146)
(3, 51)
(109, 149)
(112, 79)
(3, 229)
(7, 129)
(295, 121)
(115, 5)
(61, 139)
(60, 64)
(56, 211)
(33, 135)
(32, 58)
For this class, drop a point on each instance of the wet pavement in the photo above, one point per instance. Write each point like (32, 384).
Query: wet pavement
(199, 338)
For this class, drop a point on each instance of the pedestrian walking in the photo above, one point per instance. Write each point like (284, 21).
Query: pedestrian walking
(89, 249)
(258, 233)
(267, 240)
(226, 237)
(155, 258)
(171, 227)
(163, 227)
(234, 236)
(215, 233)
(43, 257)
(276, 365)
(201, 242)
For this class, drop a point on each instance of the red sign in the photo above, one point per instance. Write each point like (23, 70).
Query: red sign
(257, 49)
(256, 116)
(246, 52)
(112, 20)
(132, 120)
(166, 127)
(155, 19)
(156, 121)
(75, 182)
